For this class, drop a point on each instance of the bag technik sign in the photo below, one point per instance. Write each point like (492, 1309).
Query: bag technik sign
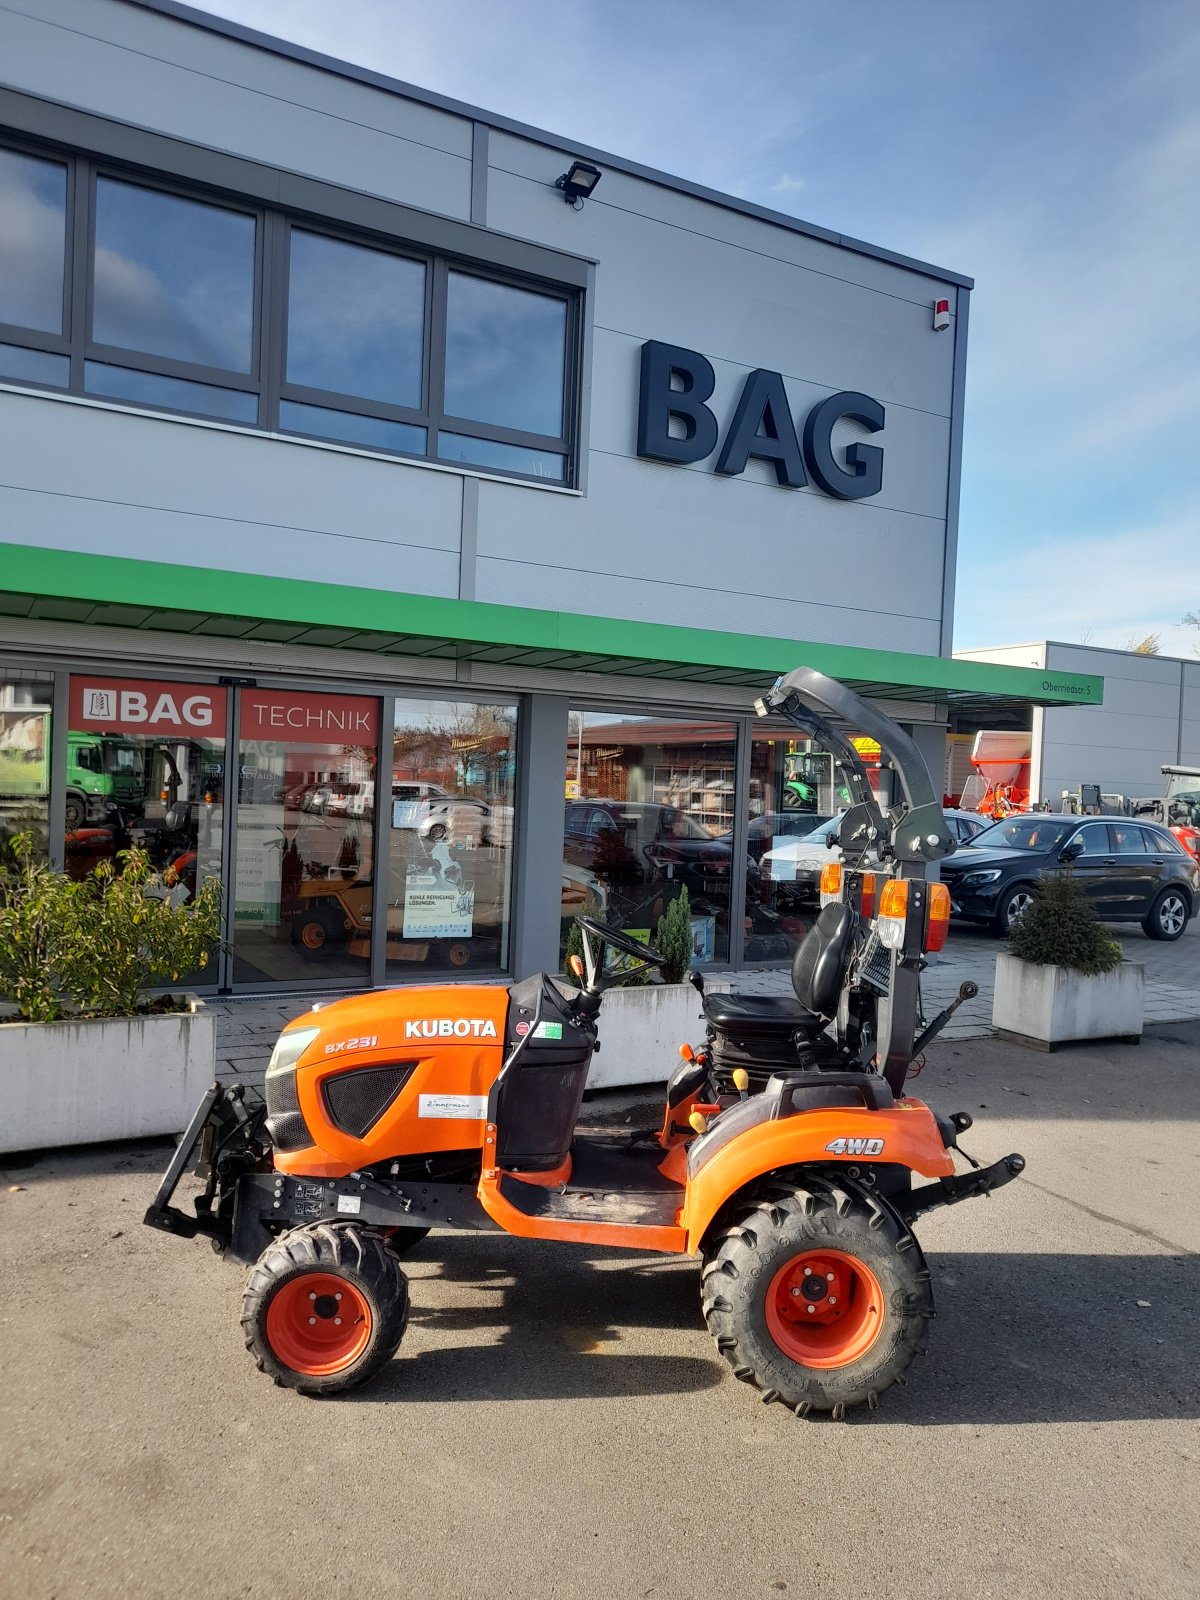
(762, 425)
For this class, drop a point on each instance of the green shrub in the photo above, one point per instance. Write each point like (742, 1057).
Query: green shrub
(1060, 929)
(34, 910)
(95, 946)
(673, 940)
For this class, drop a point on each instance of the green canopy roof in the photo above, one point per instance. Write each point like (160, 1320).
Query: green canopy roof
(69, 586)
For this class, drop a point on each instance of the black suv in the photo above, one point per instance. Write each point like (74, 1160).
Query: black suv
(1131, 871)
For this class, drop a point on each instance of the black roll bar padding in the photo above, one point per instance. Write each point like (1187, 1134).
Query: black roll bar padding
(810, 698)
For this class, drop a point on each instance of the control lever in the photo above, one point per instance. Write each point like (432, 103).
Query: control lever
(966, 991)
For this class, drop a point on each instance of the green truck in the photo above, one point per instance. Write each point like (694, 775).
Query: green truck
(103, 770)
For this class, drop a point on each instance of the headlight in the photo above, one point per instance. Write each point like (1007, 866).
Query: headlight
(974, 879)
(289, 1047)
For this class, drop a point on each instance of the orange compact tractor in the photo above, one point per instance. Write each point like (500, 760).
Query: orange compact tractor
(789, 1159)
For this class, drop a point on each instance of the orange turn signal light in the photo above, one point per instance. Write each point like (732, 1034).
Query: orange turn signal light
(831, 882)
(893, 902)
(576, 965)
(686, 1051)
(939, 916)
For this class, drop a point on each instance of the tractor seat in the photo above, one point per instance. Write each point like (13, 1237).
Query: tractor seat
(759, 1013)
(817, 969)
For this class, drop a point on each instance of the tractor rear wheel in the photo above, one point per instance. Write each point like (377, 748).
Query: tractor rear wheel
(324, 1307)
(818, 1294)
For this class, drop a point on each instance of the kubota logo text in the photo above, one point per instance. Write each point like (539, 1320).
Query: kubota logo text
(450, 1028)
(855, 1147)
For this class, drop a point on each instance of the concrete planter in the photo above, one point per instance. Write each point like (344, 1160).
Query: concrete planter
(1049, 1006)
(641, 1031)
(64, 1083)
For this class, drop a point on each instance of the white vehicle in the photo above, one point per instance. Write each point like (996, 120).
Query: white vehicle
(798, 862)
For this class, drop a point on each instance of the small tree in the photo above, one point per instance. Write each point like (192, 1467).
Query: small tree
(1059, 928)
(673, 939)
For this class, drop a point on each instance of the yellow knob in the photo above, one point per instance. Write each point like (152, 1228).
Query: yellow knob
(699, 1121)
(741, 1079)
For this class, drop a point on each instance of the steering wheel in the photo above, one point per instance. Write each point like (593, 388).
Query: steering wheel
(620, 941)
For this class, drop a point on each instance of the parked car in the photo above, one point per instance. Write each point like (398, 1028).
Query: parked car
(1131, 871)
(631, 842)
(797, 863)
(461, 817)
(762, 832)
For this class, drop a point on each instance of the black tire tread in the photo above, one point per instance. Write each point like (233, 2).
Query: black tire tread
(351, 1251)
(787, 1218)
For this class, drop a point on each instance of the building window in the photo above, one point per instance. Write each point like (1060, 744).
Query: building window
(650, 811)
(304, 857)
(448, 835)
(173, 277)
(25, 707)
(188, 302)
(356, 321)
(33, 224)
(504, 355)
(145, 769)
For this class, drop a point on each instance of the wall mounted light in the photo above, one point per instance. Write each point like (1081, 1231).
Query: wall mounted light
(577, 184)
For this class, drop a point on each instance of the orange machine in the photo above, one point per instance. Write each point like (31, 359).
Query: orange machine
(392, 1114)
(1000, 783)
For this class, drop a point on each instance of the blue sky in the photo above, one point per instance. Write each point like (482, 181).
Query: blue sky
(1050, 149)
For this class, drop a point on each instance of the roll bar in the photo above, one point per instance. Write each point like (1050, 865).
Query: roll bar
(808, 698)
(913, 838)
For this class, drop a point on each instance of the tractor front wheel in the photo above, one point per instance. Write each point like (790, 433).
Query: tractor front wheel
(818, 1294)
(324, 1308)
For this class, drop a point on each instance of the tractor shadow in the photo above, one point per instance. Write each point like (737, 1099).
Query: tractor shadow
(543, 1323)
(1057, 1338)
(1018, 1338)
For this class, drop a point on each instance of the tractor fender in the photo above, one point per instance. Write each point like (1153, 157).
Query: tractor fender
(906, 1134)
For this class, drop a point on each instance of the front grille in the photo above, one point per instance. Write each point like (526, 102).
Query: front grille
(356, 1100)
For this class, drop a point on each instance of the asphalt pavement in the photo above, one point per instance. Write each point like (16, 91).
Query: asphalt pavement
(557, 1424)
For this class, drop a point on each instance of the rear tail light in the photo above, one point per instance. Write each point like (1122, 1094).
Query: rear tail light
(867, 894)
(831, 883)
(939, 916)
(893, 913)
(1189, 838)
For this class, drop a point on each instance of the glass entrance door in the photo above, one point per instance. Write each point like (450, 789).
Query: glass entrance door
(304, 850)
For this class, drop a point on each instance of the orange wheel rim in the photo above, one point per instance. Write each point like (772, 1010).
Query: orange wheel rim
(318, 1324)
(312, 935)
(825, 1309)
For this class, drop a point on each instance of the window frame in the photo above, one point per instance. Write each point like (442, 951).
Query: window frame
(171, 366)
(267, 379)
(37, 338)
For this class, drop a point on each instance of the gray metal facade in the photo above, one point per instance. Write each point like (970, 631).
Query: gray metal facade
(1150, 718)
(650, 541)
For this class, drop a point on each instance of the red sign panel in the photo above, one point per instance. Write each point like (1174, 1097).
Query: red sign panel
(291, 716)
(147, 705)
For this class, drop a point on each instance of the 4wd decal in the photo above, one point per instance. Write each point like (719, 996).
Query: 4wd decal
(450, 1028)
(855, 1147)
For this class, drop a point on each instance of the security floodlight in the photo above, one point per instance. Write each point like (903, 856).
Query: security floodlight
(578, 184)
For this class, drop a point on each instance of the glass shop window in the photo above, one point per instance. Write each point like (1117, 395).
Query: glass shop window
(25, 715)
(450, 837)
(304, 866)
(649, 809)
(145, 769)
